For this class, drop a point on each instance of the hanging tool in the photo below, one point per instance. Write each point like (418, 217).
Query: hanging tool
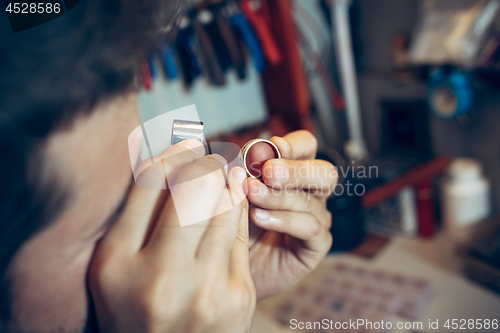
(169, 66)
(152, 67)
(147, 80)
(184, 59)
(243, 30)
(236, 56)
(207, 18)
(190, 62)
(322, 71)
(209, 59)
(256, 12)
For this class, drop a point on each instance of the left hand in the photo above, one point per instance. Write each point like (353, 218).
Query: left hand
(289, 233)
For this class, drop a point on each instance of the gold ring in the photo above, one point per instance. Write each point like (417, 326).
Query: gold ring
(246, 147)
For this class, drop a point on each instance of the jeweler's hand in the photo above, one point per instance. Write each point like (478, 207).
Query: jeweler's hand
(289, 233)
(148, 274)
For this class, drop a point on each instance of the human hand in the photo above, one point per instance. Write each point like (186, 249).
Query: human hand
(148, 274)
(289, 233)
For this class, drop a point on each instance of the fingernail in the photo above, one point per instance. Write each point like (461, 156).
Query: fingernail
(191, 143)
(257, 188)
(239, 175)
(280, 172)
(261, 214)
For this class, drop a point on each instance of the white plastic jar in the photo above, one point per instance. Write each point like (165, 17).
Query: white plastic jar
(465, 196)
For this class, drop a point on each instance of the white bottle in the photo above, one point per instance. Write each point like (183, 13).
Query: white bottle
(465, 197)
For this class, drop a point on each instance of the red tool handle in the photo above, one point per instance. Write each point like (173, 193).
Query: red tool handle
(146, 75)
(263, 32)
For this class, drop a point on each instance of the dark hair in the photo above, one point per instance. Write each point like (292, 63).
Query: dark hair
(50, 74)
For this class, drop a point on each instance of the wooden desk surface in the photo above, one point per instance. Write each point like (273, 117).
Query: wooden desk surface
(455, 296)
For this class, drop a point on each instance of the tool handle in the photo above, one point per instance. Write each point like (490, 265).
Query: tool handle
(146, 75)
(231, 44)
(192, 60)
(263, 32)
(211, 64)
(243, 28)
(169, 66)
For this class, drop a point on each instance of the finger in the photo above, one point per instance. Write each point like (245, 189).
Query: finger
(172, 159)
(151, 173)
(194, 197)
(298, 145)
(219, 238)
(311, 175)
(303, 226)
(239, 264)
(129, 231)
(289, 199)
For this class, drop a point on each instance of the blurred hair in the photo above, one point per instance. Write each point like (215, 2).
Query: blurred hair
(49, 75)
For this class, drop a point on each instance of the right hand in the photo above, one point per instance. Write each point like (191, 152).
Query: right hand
(148, 274)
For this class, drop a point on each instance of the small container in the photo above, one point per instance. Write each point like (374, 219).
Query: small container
(465, 197)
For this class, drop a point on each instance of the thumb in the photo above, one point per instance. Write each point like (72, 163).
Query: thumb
(240, 257)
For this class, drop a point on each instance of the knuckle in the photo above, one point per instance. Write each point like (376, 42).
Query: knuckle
(333, 173)
(151, 307)
(316, 228)
(245, 299)
(146, 307)
(310, 137)
(304, 203)
(330, 175)
(256, 197)
(206, 309)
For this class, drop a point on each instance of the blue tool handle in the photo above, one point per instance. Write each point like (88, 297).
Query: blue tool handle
(193, 61)
(169, 63)
(152, 66)
(241, 25)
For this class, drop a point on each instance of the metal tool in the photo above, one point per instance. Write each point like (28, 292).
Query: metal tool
(185, 129)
